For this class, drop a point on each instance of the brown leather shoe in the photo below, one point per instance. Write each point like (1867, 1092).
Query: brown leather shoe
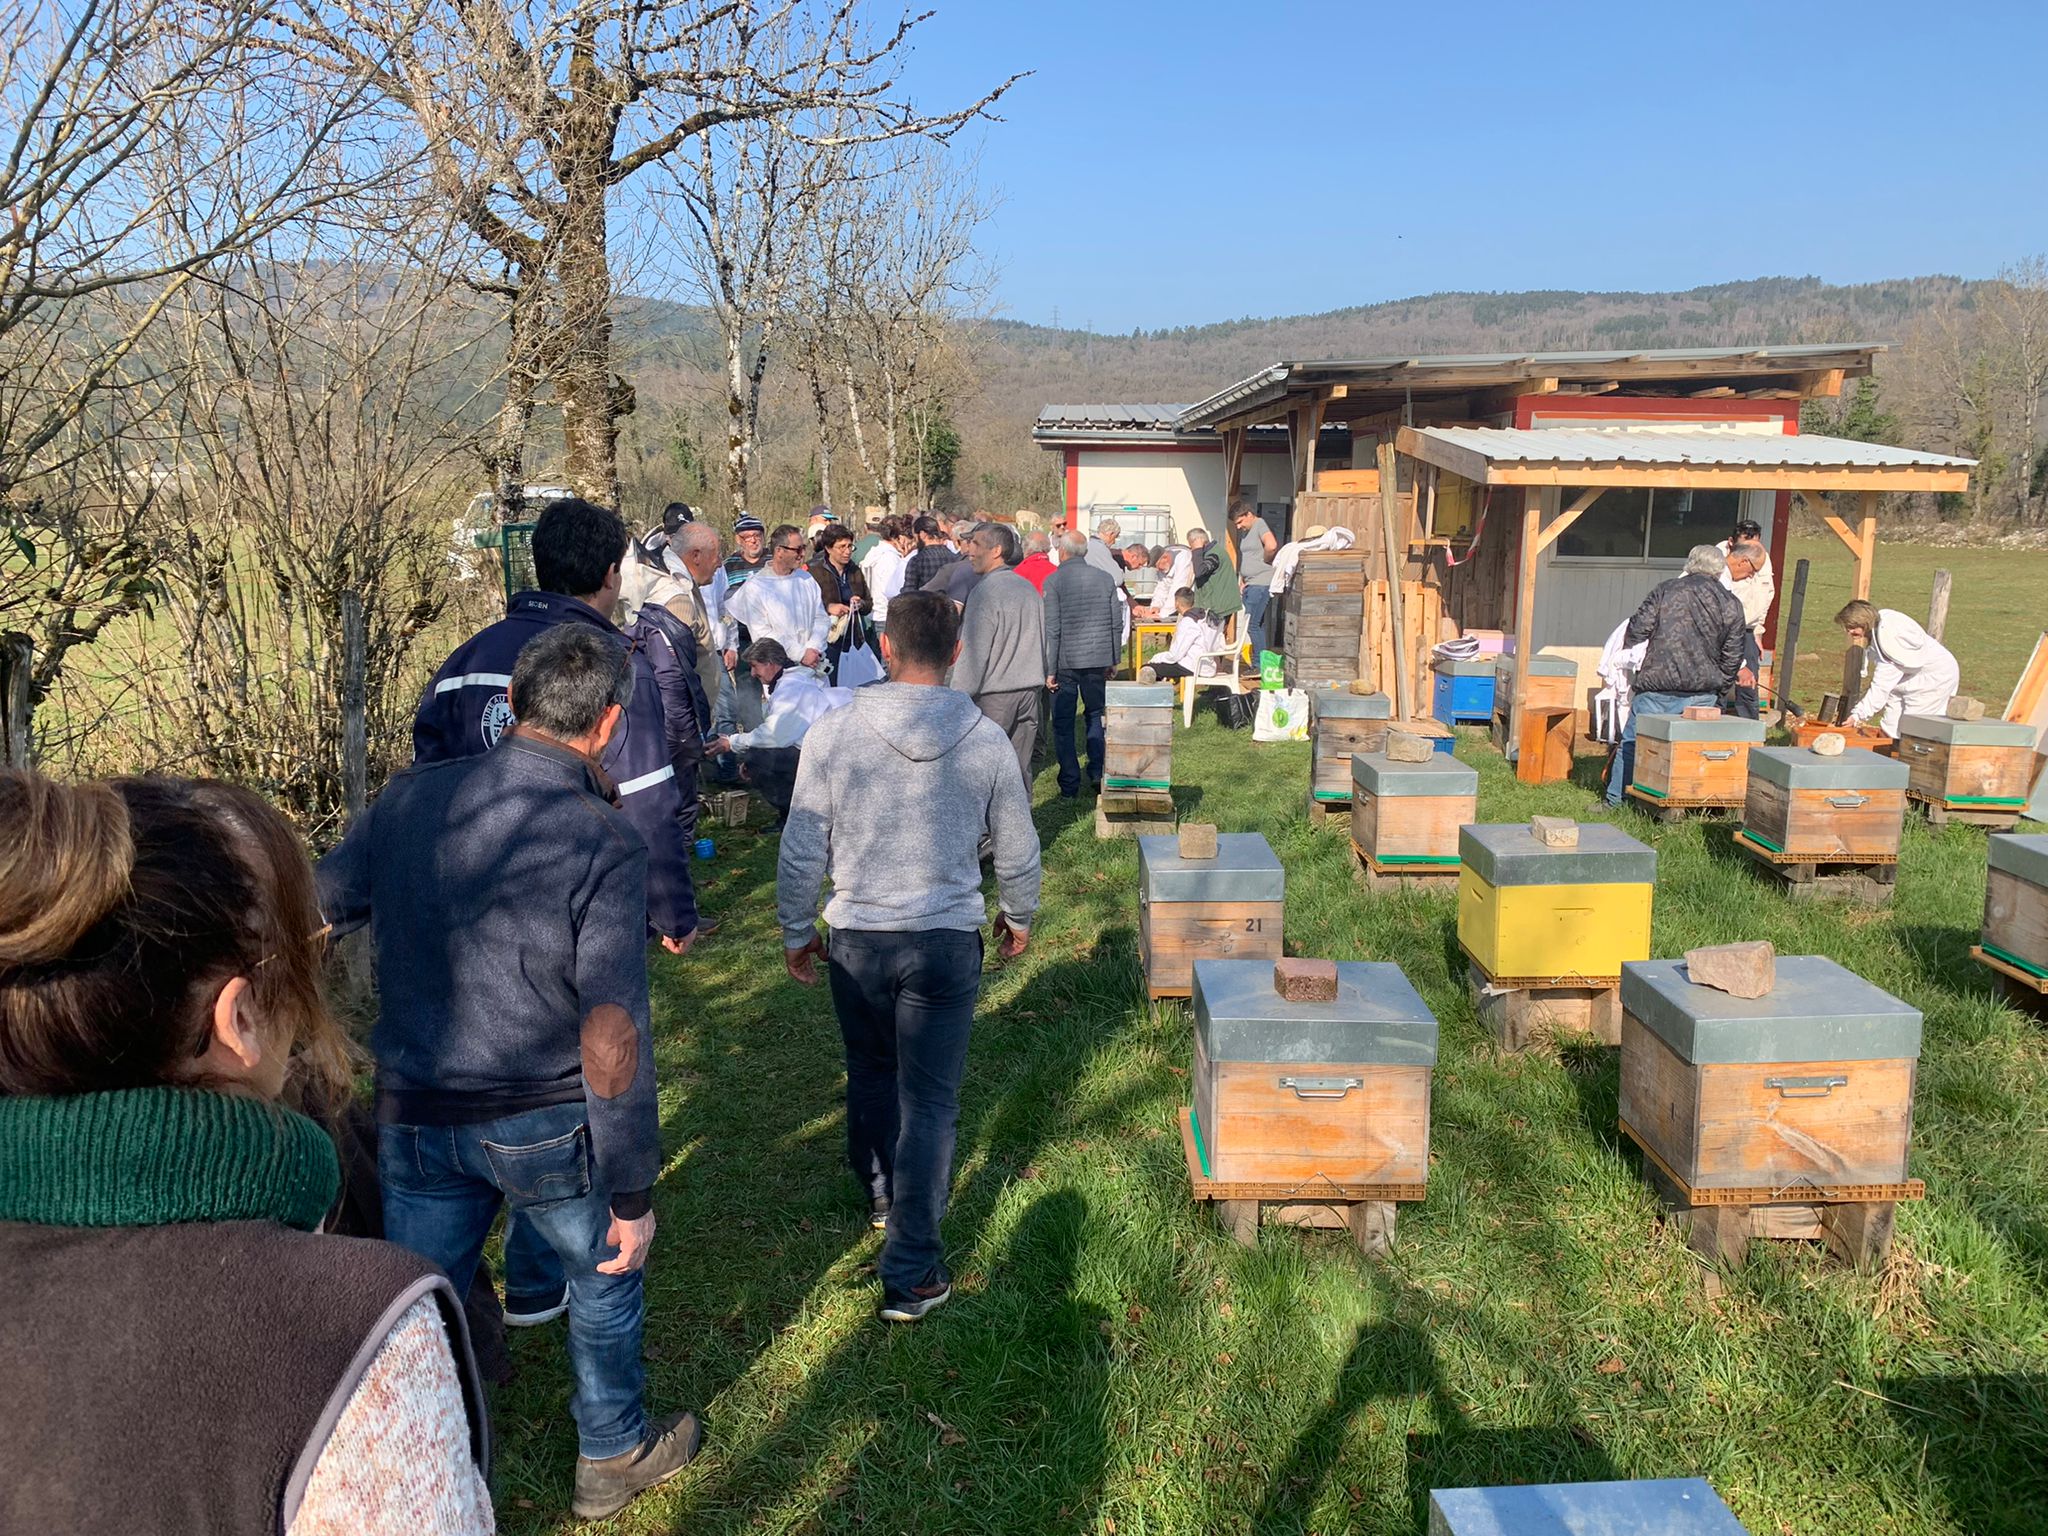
(608, 1486)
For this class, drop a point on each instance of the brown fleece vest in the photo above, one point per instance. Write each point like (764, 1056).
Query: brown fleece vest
(184, 1379)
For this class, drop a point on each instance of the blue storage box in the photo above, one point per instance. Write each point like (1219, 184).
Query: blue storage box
(1463, 691)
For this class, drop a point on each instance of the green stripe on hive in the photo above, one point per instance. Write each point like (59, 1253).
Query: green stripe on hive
(2010, 959)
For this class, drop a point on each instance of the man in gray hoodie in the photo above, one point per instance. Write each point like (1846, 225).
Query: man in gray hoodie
(1002, 640)
(906, 915)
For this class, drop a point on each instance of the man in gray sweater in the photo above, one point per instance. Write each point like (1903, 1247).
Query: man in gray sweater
(1002, 641)
(906, 915)
(1081, 624)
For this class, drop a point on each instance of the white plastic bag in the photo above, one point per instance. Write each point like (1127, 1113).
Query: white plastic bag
(1283, 715)
(858, 664)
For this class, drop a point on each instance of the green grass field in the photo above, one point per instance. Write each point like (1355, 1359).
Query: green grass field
(1111, 1362)
(1998, 608)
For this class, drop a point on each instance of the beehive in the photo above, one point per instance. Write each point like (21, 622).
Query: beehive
(1810, 1084)
(1290, 1092)
(1137, 734)
(1553, 683)
(1968, 765)
(1463, 690)
(1694, 762)
(1226, 908)
(1406, 815)
(1842, 809)
(1322, 616)
(2016, 901)
(1527, 911)
(1342, 723)
(1672, 1506)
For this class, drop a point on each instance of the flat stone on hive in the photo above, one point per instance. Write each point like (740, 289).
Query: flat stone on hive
(1407, 747)
(1364, 687)
(1962, 707)
(1555, 831)
(1829, 744)
(1702, 711)
(1741, 970)
(1198, 839)
(1306, 981)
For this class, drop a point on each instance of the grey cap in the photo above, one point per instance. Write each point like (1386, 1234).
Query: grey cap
(1818, 1011)
(1343, 704)
(1138, 696)
(1244, 869)
(1540, 665)
(1728, 728)
(1968, 733)
(2024, 854)
(1508, 854)
(1801, 768)
(1378, 1019)
(1376, 773)
(1465, 666)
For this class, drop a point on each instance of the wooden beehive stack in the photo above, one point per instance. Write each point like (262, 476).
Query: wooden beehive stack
(1553, 684)
(1405, 817)
(1341, 723)
(1137, 780)
(1783, 1115)
(1548, 926)
(1311, 1090)
(1226, 906)
(1978, 771)
(1325, 613)
(2015, 937)
(1825, 823)
(1686, 764)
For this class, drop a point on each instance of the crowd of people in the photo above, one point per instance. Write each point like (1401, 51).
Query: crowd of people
(182, 1146)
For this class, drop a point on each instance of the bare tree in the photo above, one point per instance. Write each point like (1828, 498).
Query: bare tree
(535, 115)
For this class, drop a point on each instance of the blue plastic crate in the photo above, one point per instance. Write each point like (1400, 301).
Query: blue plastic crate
(1462, 700)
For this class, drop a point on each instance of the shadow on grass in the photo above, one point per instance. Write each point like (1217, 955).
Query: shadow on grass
(1984, 1442)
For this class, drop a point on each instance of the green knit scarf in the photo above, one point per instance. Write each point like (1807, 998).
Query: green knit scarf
(146, 1157)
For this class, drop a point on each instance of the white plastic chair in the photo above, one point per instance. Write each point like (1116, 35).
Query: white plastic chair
(1234, 652)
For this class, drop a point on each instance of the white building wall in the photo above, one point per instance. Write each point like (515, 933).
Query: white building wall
(1189, 484)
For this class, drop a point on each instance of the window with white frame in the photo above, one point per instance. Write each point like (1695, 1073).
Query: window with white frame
(1629, 523)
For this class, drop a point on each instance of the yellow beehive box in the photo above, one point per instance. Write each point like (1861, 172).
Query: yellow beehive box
(1534, 914)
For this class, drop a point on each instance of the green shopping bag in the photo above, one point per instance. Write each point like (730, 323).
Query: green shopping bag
(1272, 670)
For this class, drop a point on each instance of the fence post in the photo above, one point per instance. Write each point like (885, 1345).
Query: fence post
(17, 659)
(1937, 607)
(355, 735)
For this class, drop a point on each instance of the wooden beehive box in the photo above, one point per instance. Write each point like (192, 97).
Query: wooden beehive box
(1695, 762)
(1844, 809)
(1342, 723)
(1669, 1506)
(2016, 900)
(1226, 908)
(1137, 736)
(1810, 1084)
(1325, 615)
(1406, 815)
(1553, 683)
(1291, 1093)
(1531, 912)
(1968, 765)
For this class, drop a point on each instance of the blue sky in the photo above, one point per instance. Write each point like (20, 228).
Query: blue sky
(1177, 163)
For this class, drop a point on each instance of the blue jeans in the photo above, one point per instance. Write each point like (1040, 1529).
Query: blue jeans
(442, 1187)
(1624, 771)
(1255, 600)
(1085, 688)
(906, 1006)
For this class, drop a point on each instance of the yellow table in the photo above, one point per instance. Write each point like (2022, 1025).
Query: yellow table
(1138, 633)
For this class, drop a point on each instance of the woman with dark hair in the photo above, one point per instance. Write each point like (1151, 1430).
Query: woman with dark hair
(844, 591)
(184, 1350)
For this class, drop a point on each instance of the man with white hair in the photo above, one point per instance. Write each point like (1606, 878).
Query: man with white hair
(1691, 631)
(1101, 550)
(1749, 577)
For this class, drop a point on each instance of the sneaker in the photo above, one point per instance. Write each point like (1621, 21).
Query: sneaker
(531, 1314)
(878, 1212)
(608, 1486)
(917, 1301)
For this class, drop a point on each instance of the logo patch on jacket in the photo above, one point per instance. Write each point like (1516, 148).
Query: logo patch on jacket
(498, 718)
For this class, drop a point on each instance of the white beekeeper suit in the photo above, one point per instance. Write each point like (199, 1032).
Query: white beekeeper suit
(799, 699)
(1618, 663)
(1914, 674)
(1195, 639)
(1754, 592)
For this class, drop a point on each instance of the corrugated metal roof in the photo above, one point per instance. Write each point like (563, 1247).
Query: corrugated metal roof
(1138, 415)
(1698, 446)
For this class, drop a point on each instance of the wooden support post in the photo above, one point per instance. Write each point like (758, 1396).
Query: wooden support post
(1852, 681)
(1304, 426)
(1790, 644)
(1525, 606)
(17, 662)
(1937, 605)
(1566, 518)
(355, 739)
(1233, 468)
(1395, 551)
(1867, 539)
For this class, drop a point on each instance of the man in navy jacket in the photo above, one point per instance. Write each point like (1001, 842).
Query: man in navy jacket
(577, 553)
